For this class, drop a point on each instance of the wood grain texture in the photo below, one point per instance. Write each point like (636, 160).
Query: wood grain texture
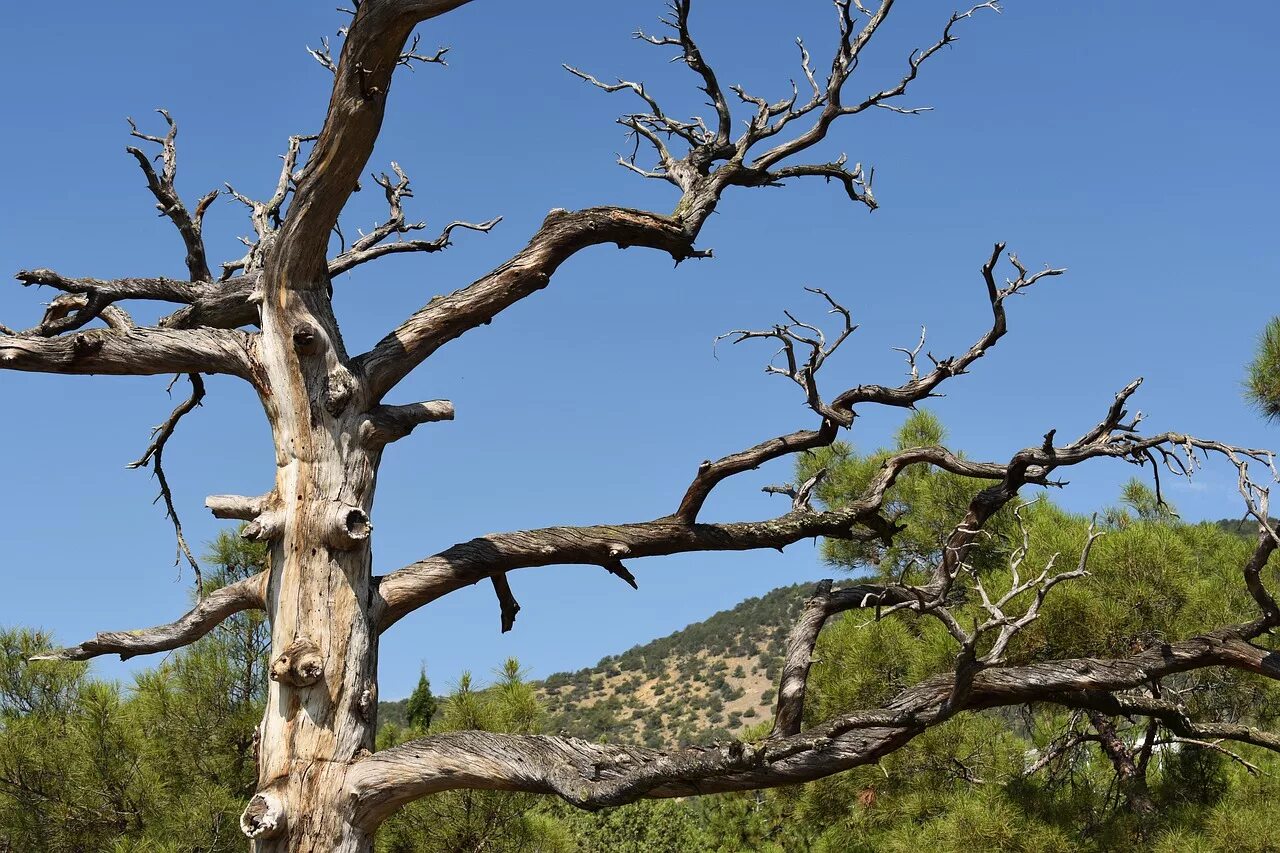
(320, 787)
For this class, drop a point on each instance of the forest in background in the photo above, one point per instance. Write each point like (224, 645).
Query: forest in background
(166, 763)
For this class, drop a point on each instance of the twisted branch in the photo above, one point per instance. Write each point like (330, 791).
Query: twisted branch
(154, 455)
(209, 612)
(168, 202)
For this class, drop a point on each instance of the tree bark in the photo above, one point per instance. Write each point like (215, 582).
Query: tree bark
(1131, 778)
(322, 705)
(319, 788)
(321, 708)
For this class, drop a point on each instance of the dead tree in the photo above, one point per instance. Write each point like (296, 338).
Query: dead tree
(268, 319)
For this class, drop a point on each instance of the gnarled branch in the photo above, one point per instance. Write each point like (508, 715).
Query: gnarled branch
(712, 163)
(130, 352)
(209, 612)
(168, 202)
(591, 775)
(562, 235)
(411, 587)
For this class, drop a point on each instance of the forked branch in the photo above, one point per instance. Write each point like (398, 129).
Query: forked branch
(154, 456)
(803, 350)
(168, 201)
(712, 160)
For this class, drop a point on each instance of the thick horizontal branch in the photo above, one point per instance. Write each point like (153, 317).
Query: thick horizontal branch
(130, 352)
(467, 563)
(209, 612)
(164, 289)
(562, 235)
(238, 507)
(592, 775)
(464, 564)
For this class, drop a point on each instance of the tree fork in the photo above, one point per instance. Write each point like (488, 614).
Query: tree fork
(320, 716)
(320, 713)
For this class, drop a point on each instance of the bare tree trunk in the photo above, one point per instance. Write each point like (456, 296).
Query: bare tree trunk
(319, 787)
(321, 708)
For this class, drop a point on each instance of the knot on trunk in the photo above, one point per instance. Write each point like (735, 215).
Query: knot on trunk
(264, 528)
(265, 520)
(367, 704)
(300, 664)
(349, 526)
(306, 340)
(340, 387)
(263, 817)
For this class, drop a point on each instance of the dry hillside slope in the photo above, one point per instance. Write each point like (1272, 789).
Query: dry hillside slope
(710, 679)
(706, 681)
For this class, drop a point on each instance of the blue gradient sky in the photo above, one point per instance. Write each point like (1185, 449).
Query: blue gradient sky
(1133, 143)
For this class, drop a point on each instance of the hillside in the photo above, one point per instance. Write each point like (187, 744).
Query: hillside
(1242, 526)
(708, 680)
(711, 679)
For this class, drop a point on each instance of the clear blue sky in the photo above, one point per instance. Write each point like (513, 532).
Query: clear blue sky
(1132, 142)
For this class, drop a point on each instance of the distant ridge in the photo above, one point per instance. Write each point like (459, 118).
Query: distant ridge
(708, 680)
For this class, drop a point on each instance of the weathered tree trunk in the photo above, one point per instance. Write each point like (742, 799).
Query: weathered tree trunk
(322, 706)
(319, 789)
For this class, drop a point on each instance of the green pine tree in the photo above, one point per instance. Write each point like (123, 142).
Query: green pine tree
(1262, 384)
(422, 705)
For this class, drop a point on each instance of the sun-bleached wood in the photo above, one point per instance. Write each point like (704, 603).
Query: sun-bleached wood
(320, 787)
